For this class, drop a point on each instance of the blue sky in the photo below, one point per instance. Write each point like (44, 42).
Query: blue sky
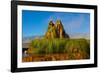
(35, 23)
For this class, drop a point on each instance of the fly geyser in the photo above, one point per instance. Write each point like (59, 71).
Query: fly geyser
(55, 45)
(56, 30)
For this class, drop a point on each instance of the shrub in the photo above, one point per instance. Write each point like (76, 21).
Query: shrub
(73, 47)
(78, 46)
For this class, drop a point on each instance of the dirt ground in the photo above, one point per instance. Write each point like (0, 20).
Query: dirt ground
(50, 57)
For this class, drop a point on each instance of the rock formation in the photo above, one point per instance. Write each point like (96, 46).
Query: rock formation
(56, 30)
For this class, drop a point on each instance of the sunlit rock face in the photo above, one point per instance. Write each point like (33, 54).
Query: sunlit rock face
(56, 30)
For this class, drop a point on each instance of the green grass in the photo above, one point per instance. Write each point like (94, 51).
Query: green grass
(57, 46)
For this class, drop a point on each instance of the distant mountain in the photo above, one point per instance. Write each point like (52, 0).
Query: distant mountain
(28, 39)
(80, 35)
